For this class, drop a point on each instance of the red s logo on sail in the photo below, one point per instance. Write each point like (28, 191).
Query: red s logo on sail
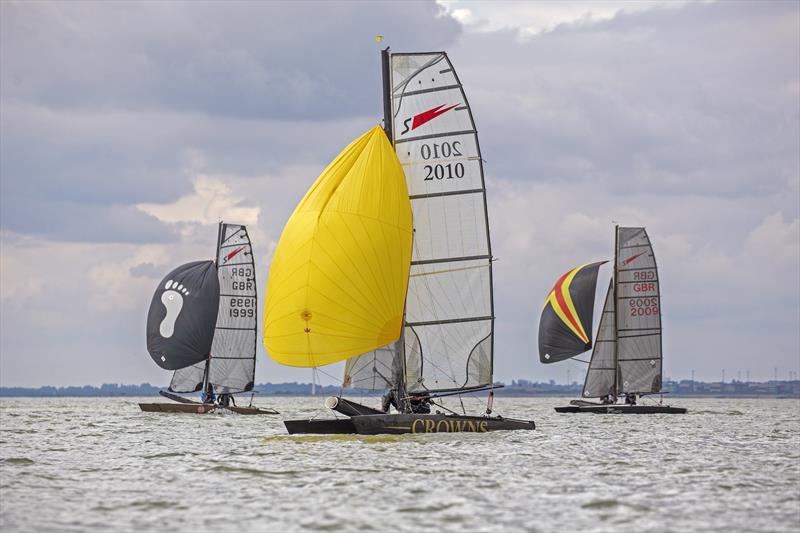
(232, 254)
(425, 117)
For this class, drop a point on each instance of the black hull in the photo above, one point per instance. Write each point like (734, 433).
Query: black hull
(397, 424)
(330, 426)
(622, 409)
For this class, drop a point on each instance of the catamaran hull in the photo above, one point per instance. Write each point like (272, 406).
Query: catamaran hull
(329, 426)
(407, 423)
(410, 423)
(199, 408)
(622, 409)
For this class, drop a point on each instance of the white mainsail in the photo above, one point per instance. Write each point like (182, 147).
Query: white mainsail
(449, 323)
(233, 351)
(639, 353)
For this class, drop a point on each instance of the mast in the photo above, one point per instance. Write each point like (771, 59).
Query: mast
(616, 311)
(216, 264)
(387, 93)
(386, 72)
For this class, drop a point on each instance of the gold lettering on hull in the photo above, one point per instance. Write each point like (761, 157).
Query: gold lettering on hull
(427, 425)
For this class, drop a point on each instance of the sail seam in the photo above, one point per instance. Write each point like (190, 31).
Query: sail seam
(450, 321)
(450, 260)
(423, 91)
(446, 193)
(436, 136)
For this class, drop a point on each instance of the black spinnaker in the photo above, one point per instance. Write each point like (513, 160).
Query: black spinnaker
(182, 315)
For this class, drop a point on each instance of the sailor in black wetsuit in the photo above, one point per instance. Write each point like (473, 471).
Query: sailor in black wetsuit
(630, 399)
(420, 403)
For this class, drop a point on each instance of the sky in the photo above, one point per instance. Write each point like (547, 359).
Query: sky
(127, 130)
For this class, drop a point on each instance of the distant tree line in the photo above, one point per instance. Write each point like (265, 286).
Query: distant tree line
(520, 387)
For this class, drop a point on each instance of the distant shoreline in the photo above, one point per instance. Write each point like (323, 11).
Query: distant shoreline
(517, 389)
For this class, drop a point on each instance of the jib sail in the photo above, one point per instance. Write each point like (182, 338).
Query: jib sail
(600, 376)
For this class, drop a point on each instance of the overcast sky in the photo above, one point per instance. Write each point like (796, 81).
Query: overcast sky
(127, 130)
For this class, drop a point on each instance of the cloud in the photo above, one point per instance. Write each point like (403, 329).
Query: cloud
(211, 201)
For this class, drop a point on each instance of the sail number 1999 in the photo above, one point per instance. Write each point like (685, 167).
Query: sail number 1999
(242, 307)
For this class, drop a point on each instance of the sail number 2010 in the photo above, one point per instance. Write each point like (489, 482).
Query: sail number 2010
(438, 151)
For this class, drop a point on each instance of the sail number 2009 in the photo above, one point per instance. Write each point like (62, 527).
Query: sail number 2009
(643, 306)
(438, 151)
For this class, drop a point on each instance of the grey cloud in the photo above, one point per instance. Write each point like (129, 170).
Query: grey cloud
(298, 60)
(701, 98)
(70, 221)
(146, 270)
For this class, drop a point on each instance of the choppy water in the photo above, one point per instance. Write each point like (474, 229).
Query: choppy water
(100, 463)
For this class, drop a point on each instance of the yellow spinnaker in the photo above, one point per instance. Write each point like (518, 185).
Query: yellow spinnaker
(338, 280)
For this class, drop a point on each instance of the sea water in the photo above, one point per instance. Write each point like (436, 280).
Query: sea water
(100, 464)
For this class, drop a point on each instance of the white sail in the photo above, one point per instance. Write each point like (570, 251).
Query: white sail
(449, 310)
(639, 354)
(233, 350)
(600, 375)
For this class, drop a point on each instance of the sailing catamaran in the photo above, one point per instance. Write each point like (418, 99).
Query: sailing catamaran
(202, 325)
(410, 308)
(627, 355)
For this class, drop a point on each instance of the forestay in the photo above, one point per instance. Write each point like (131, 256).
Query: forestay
(639, 313)
(449, 319)
(600, 376)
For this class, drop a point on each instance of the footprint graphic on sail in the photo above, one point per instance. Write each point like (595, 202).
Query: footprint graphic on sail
(172, 298)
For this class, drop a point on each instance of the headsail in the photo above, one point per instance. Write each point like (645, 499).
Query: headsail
(600, 375)
(183, 311)
(565, 328)
(338, 279)
(449, 319)
(378, 369)
(639, 313)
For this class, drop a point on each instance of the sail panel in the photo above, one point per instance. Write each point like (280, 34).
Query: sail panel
(448, 356)
(233, 352)
(189, 379)
(449, 309)
(378, 369)
(427, 175)
(338, 279)
(600, 375)
(565, 327)
(183, 311)
(639, 305)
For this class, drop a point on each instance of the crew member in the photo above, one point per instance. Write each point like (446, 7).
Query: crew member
(420, 403)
